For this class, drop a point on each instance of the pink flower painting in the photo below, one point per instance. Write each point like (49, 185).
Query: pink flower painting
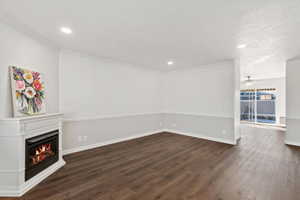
(28, 91)
(20, 85)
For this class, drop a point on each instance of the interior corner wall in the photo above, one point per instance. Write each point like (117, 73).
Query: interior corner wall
(106, 101)
(201, 101)
(293, 101)
(19, 49)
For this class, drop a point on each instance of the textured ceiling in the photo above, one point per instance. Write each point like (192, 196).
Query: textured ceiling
(150, 32)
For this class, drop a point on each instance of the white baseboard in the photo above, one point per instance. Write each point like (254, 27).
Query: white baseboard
(196, 135)
(32, 182)
(292, 143)
(100, 144)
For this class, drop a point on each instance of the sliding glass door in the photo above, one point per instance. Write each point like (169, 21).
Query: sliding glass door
(248, 106)
(258, 105)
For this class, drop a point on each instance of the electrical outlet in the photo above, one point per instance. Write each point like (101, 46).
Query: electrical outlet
(174, 125)
(79, 138)
(224, 132)
(160, 124)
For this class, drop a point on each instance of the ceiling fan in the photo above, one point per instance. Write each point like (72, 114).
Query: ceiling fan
(249, 81)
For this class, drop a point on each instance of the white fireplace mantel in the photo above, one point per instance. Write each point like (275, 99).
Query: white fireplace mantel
(13, 133)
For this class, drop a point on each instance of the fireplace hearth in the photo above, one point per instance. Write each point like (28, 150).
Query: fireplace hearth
(41, 152)
(30, 151)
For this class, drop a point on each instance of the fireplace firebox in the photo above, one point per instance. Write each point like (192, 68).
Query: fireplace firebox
(41, 152)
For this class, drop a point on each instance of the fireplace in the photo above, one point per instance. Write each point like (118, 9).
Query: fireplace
(41, 152)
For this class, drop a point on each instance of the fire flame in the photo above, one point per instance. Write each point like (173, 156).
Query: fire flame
(41, 153)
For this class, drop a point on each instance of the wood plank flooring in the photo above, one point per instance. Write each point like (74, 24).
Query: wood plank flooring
(167, 166)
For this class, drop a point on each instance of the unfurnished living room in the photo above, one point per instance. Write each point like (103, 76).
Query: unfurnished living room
(150, 99)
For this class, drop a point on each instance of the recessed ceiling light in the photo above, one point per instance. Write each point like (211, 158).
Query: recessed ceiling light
(170, 63)
(241, 46)
(66, 30)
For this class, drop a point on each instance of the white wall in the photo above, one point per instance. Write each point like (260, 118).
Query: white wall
(106, 100)
(293, 101)
(21, 50)
(201, 101)
(280, 85)
(95, 87)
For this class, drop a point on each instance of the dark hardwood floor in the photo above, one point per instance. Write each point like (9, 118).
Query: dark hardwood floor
(172, 167)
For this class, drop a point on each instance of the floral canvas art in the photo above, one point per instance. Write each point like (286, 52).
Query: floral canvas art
(28, 92)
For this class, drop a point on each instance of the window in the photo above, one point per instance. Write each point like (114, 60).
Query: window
(258, 105)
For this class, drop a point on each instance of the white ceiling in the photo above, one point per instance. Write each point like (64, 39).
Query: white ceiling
(150, 32)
